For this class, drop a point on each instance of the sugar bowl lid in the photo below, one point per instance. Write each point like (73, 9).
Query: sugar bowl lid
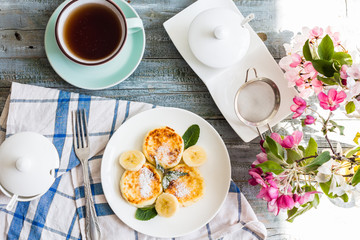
(218, 38)
(27, 164)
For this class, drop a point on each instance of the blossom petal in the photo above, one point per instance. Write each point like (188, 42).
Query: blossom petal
(332, 93)
(276, 137)
(297, 137)
(322, 97)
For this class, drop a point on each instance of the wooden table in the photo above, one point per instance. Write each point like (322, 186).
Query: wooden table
(163, 77)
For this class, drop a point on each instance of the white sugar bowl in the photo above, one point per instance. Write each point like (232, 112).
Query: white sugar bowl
(27, 166)
(217, 37)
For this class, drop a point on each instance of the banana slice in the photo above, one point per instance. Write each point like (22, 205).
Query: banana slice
(166, 205)
(194, 156)
(132, 160)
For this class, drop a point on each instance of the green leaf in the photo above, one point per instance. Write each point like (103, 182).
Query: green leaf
(326, 48)
(271, 145)
(171, 176)
(311, 150)
(307, 52)
(350, 107)
(158, 166)
(327, 81)
(341, 128)
(191, 136)
(326, 187)
(324, 67)
(272, 157)
(317, 162)
(146, 213)
(352, 152)
(292, 155)
(295, 213)
(356, 178)
(270, 166)
(343, 58)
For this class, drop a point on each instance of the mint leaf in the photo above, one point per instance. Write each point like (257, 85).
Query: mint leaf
(350, 107)
(171, 176)
(307, 52)
(270, 166)
(146, 213)
(317, 162)
(324, 67)
(326, 48)
(191, 136)
(158, 166)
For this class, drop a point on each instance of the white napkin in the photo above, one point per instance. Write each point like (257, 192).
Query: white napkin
(59, 214)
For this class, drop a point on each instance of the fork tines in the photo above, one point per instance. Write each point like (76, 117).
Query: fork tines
(80, 131)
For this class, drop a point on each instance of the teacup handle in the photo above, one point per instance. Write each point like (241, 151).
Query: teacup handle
(134, 25)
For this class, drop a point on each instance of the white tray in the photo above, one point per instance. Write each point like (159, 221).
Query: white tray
(223, 83)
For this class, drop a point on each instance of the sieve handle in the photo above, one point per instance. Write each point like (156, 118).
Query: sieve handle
(247, 73)
(260, 135)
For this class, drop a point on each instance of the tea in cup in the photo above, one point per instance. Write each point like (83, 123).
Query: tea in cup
(92, 32)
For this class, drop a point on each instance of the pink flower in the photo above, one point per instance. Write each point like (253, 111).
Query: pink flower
(354, 71)
(268, 193)
(317, 85)
(332, 100)
(292, 75)
(260, 158)
(299, 107)
(285, 202)
(262, 145)
(296, 60)
(316, 32)
(276, 137)
(272, 207)
(334, 36)
(288, 141)
(256, 177)
(309, 120)
(310, 71)
(292, 140)
(304, 198)
(343, 73)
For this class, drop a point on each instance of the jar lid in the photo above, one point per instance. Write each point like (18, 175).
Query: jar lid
(27, 164)
(217, 37)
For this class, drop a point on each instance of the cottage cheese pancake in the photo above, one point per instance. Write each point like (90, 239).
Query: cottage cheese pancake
(187, 189)
(164, 144)
(141, 188)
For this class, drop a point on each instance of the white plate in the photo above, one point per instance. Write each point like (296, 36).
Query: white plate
(216, 172)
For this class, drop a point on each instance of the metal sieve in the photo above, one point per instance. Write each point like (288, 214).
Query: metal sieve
(257, 101)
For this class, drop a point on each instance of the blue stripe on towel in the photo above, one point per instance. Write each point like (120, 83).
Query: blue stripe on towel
(127, 112)
(19, 216)
(102, 209)
(17, 223)
(96, 189)
(136, 235)
(116, 109)
(45, 201)
(208, 231)
(71, 226)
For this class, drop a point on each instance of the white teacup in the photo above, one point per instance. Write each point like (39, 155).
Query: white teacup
(124, 26)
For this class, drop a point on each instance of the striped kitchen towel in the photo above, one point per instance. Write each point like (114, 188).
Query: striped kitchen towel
(59, 213)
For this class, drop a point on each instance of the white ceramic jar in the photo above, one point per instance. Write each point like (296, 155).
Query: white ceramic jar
(27, 166)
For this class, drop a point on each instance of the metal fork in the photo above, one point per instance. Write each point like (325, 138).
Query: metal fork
(82, 151)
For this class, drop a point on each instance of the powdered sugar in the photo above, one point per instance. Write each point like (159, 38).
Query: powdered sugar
(163, 152)
(145, 179)
(181, 190)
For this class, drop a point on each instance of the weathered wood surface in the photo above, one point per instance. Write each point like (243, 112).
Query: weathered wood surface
(163, 77)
